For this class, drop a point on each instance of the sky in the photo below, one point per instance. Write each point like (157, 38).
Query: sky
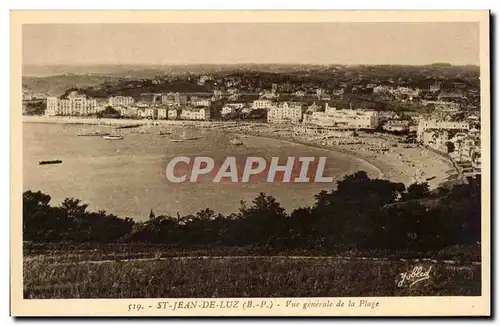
(231, 43)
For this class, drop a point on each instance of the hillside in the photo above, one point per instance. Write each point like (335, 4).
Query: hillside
(57, 85)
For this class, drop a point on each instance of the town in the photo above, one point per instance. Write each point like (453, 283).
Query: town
(435, 106)
(310, 159)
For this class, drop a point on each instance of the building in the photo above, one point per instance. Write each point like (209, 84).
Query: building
(313, 108)
(120, 100)
(141, 112)
(201, 102)
(232, 108)
(174, 98)
(27, 96)
(162, 113)
(436, 87)
(319, 119)
(203, 79)
(228, 109)
(233, 91)
(52, 106)
(348, 118)
(262, 104)
(218, 93)
(126, 111)
(450, 96)
(142, 104)
(299, 93)
(246, 110)
(443, 105)
(338, 92)
(195, 114)
(357, 119)
(402, 126)
(151, 113)
(265, 94)
(406, 92)
(436, 139)
(172, 114)
(74, 104)
(382, 89)
(424, 125)
(285, 112)
(319, 92)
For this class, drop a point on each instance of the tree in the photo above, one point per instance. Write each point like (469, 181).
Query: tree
(417, 191)
(109, 112)
(450, 147)
(262, 221)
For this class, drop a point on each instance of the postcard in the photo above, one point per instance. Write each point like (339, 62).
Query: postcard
(250, 163)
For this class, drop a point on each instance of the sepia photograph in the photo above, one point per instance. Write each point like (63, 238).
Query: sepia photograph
(268, 164)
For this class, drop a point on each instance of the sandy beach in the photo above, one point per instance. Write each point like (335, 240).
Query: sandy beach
(394, 161)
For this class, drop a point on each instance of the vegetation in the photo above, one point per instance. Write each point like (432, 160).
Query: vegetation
(108, 112)
(34, 107)
(355, 241)
(239, 277)
(360, 213)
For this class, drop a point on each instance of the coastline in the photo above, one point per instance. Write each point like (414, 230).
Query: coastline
(108, 121)
(319, 146)
(420, 166)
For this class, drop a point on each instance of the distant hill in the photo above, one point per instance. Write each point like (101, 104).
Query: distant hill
(57, 85)
(146, 71)
(55, 80)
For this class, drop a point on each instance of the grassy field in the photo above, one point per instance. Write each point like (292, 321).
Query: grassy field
(92, 273)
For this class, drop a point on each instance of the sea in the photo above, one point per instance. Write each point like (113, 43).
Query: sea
(127, 177)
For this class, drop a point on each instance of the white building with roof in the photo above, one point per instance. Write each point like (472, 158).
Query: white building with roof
(120, 100)
(424, 125)
(345, 118)
(195, 114)
(74, 104)
(262, 104)
(285, 112)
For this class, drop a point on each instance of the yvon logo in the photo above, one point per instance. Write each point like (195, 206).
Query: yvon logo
(291, 170)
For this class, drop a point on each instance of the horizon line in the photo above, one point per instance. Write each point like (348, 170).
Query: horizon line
(251, 63)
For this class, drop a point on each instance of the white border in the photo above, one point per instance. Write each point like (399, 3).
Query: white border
(192, 4)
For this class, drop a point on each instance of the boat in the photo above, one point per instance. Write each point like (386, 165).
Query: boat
(162, 133)
(116, 136)
(50, 162)
(236, 141)
(113, 137)
(189, 138)
(93, 133)
(128, 126)
(183, 138)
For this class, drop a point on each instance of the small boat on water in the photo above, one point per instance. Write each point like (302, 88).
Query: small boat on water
(128, 126)
(190, 138)
(162, 133)
(183, 138)
(50, 162)
(116, 136)
(93, 133)
(113, 137)
(236, 141)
